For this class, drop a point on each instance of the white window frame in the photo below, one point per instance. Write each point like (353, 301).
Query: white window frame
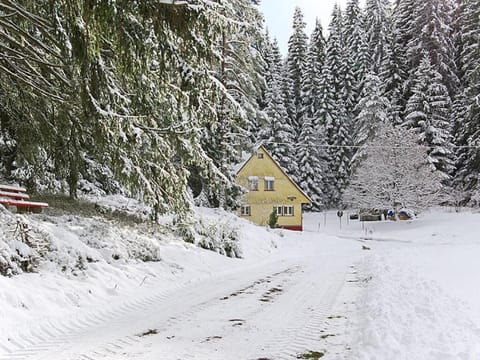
(288, 210)
(253, 183)
(246, 210)
(278, 210)
(269, 184)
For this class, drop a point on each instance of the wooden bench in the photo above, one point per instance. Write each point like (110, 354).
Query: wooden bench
(12, 195)
(16, 196)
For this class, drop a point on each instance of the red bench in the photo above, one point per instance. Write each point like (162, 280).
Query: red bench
(16, 196)
(14, 189)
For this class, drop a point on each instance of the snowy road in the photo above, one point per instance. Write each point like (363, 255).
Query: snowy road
(276, 308)
(381, 290)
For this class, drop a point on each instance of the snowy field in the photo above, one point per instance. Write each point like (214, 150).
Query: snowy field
(419, 284)
(383, 290)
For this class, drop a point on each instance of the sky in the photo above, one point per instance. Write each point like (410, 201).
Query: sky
(279, 15)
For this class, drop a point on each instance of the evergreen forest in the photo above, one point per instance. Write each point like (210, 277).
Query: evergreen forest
(160, 99)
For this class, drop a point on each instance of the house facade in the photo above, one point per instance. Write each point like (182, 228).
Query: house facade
(270, 188)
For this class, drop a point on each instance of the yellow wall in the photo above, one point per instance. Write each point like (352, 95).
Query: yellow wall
(261, 201)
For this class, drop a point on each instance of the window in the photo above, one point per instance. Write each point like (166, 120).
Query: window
(282, 210)
(253, 183)
(278, 209)
(246, 210)
(269, 183)
(260, 155)
(288, 210)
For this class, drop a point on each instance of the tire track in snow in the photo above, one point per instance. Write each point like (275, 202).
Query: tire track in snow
(306, 328)
(101, 352)
(55, 335)
(259, 291)
(46, 337)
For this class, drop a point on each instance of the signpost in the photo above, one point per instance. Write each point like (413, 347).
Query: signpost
(340, 214)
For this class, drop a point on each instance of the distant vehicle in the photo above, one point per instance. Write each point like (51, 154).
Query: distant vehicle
(405, 214)
(353, 216)
(370, 215)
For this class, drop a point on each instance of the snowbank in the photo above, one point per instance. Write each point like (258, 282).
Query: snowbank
(404, 315)
(68, 264)
(417, 287)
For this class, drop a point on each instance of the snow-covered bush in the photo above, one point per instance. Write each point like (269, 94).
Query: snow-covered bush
(207, 232)
(119, 243)
(21, 244)
(70, 243)
(222, 238)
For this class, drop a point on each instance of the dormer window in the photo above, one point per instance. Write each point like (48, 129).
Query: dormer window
(269, 183)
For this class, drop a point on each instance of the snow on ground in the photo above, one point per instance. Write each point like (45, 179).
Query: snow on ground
(380, 290)
(193, 303)
(418, 287)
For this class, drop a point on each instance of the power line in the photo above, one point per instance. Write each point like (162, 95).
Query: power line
(376, 146)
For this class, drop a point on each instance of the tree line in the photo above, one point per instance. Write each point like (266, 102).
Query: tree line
(406, 64)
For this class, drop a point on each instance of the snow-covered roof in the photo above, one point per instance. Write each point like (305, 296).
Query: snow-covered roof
(245, 157)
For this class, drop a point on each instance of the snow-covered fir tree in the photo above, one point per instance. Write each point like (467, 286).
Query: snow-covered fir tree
(312, 157)
(428, 111)
(276, 134)
(240, 75)
(357, 62)
(372, 115)
(332, 112)
(134, 96)
(433, 32)
(296, 66)
(377, 16)
(311, 77)
(393, 78)
(396, 68)
(467, 114)
(313, 163)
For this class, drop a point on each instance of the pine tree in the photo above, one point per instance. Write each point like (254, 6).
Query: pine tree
(428, 112)
(393, 78)
(276, 133)
(139, 85)
(311, 79)
(312, 158)
(433, 32)
(356, 52)
(377, 14)
(372, 115)
(240, 73)
(313, 163)
(467, 114)
(404, 27)
(332, 114)
(396, 67)
(296, 67)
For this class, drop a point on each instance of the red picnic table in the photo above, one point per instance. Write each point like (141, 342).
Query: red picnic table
(17, 196)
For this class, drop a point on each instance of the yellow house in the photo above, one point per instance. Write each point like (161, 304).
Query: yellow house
(270, 188)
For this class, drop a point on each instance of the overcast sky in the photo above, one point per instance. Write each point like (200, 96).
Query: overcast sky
(279, 15)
